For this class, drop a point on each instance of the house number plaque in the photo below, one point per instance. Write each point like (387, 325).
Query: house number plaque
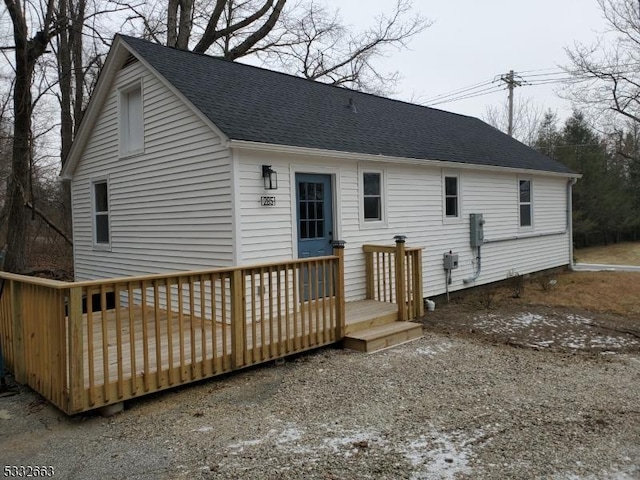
(267, 201)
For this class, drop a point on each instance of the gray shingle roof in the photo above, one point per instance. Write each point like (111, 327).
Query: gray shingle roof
(258, 105)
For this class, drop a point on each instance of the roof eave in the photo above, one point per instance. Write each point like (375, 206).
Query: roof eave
(294, 150)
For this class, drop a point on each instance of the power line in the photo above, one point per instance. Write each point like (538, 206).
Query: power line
(487, 91)
(460, 90)
(534, 77)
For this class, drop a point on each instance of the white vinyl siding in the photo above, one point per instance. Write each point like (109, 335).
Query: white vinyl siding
(414, 198)
(169, 207)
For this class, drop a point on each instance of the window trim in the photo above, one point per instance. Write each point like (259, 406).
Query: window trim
(457, 174)
(94, 227)
(367, 224)
(530, 203)
(123, 119)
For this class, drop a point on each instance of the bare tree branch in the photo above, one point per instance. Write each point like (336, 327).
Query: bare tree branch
(51, 224)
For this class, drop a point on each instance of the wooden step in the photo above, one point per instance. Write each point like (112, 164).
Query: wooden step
(382, 336)
(367, 314)
(370, 323)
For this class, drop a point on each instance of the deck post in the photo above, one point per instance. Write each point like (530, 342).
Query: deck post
(237, 318)
(338, 251)
(17, 318)
(76, 351)
(400, 277)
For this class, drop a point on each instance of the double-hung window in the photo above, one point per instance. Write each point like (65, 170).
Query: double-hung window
(451, 197)
(372, 196)
(101, 236)
(525, 202)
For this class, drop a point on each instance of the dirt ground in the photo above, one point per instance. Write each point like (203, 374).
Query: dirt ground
(571, 312)
(626, 253)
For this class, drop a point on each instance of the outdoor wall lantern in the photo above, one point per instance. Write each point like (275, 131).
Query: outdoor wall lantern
(270, 178)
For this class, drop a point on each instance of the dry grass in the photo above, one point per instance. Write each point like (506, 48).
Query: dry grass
(627, 253)
(602, 292)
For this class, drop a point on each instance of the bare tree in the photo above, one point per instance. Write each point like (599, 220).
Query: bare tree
(28, 49)
(527, 118)
(317, 45)
(305, 38)
(608, 69)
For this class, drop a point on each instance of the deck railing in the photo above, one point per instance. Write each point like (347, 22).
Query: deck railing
(394, 275)
(84, 345)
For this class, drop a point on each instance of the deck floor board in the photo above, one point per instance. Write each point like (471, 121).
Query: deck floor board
(273, 338)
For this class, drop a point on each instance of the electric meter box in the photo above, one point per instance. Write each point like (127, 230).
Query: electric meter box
(476, 229)
(450, 261)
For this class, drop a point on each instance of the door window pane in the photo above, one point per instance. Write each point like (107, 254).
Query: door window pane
(311, 204)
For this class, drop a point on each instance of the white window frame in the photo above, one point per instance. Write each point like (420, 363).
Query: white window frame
(123, 118)
(94, 227)
(530, 203)
(458, 175)
(365, 224)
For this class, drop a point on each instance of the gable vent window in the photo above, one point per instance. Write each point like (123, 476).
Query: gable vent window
(372, 196)
(131, 121)
(101, 213)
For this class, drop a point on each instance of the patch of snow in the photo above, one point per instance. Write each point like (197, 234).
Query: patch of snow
(245, 443)
(433, 350)
(528, 319)
(290, 434)
(438, 456)
(5, 415)
(204, 429)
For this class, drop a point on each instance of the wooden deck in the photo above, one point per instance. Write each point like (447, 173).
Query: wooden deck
(85, 345)
(195, 343)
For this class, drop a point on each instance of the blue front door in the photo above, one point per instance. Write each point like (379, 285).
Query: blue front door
(315, 230)
(315, 218)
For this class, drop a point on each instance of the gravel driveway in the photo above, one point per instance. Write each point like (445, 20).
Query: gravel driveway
(439, 407)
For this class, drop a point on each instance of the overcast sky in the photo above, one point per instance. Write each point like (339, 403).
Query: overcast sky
(473, 41)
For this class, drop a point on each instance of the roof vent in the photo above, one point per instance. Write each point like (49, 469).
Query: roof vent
(352, 105)
(129, 61)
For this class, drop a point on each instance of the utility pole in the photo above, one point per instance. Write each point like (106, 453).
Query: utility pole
(509, 79)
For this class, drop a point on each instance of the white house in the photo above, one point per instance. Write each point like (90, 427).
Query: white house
(171, 169)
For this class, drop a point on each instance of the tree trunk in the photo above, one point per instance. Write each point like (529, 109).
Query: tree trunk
(27, 52)
(186, 21)
(15, 260)
(172, 23)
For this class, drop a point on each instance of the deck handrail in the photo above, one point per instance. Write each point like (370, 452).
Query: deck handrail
(394, 275)
(87, 344)
(60, 284)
